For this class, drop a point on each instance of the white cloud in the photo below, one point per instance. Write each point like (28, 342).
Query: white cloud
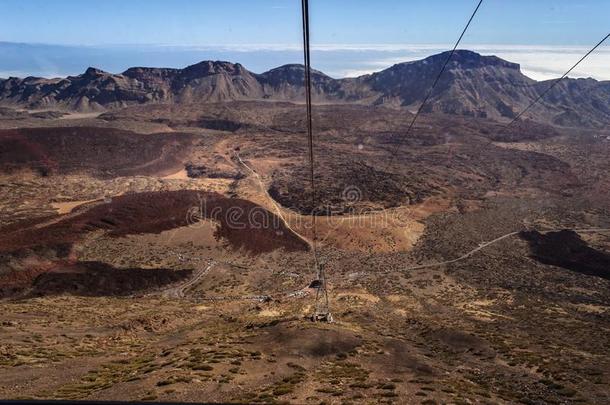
(537, 62)
(354, 72)
(540, 62)
(550, 64)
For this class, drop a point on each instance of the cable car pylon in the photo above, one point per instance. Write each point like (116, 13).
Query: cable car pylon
(321, 309)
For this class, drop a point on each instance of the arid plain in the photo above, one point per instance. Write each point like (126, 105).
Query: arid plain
(162, 252)
(107, 219)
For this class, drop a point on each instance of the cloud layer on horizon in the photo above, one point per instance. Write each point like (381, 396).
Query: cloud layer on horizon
(336, 60)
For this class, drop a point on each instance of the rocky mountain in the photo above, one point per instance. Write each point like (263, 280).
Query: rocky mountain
(472, 85)
(96, 90)
(487, 86)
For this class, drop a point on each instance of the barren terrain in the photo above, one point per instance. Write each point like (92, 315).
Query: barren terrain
(164, 253)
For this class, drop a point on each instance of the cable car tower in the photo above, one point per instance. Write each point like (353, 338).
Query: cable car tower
(321, 308)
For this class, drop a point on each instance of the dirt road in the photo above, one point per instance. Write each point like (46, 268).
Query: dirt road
(278, 210)
(483, 245)
(179, 290)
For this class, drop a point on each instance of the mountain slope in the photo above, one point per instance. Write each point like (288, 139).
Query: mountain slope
(98, 90)
(472, 85)
(487, 86)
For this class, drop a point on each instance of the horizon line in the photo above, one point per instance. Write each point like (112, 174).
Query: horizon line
(249, 47)
(49, 77)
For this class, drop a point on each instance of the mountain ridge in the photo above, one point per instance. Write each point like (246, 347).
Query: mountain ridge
(472, 85)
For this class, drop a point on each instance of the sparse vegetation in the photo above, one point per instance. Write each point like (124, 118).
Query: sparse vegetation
(86, 314)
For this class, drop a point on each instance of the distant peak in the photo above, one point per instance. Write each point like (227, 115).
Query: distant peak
(139, 72)
(470, 59)
(464, 53)
(290, 66)
(294, 68)
(93, 72)
(209, 67)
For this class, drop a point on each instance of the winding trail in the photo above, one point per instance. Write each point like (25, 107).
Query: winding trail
(179, 290)
(483, 245)
(278, 210)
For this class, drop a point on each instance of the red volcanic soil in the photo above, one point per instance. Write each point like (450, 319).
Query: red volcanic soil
(38, 245)
(566, 249)
(101, 152)
(86, 279)
(242, 223)
(13, 282)
(100, 279)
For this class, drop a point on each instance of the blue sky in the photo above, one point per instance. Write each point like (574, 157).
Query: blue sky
(350, 36)
(205, 22)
